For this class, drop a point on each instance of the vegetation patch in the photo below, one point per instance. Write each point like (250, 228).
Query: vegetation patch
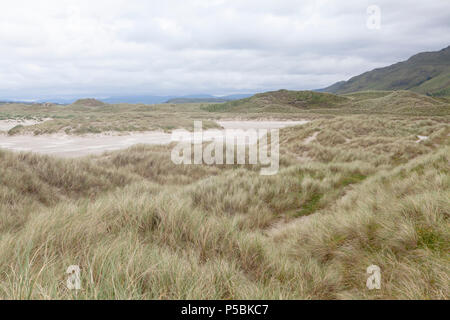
(141, 227)
(431, 239)
(310, 206)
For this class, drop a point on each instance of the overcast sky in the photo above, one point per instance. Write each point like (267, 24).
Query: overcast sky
(114, 47)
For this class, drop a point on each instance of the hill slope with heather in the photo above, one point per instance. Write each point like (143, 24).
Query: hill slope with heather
(427, 73)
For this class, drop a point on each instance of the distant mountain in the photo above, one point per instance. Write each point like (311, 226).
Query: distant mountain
(237, 96)
(138, 99)
(11, 101)
(135, 99)
(427, 73)
(210, 99)
(53, 100)
(163, 99)
(196, 100)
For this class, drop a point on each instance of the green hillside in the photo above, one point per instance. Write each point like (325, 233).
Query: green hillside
(281, 101)
(427, 73)
(363, 102)
(396, 102)
(89, 103)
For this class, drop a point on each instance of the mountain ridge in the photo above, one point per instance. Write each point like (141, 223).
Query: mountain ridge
(426, 73)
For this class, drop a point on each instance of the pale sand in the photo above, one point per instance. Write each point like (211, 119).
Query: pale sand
(421, 138)
(6, 125)
(63, 145)
(311, 138)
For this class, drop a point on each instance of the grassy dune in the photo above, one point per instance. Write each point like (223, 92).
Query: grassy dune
(93, 117)
(352, 191)
(281, 101)
(84, 118)
(315, 103)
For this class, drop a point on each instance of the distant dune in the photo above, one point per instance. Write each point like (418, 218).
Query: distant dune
(89, 103)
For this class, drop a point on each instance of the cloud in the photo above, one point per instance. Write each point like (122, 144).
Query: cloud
(80, 47)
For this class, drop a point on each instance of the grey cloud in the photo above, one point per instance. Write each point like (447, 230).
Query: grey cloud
(211, 46)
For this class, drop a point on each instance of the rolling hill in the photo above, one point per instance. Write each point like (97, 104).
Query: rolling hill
(90, 102)
(208, 99)
(427, 73)
(281, 101)
(362, 102)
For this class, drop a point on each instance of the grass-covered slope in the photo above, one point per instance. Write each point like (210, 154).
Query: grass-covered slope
(352, 191)
(425, 73)
(81, 119)
(88, 118)
(308, 102)
(396, 102)
(89, 102)
(280, 101)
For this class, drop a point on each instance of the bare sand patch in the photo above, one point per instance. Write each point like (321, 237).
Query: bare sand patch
(6, 125)
(311, 138)
(63, 145)
(421, 138)
(75, 146)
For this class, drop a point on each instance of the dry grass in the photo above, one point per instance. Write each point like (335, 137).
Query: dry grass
(363, 192)
(79, 119)
(309, 103)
